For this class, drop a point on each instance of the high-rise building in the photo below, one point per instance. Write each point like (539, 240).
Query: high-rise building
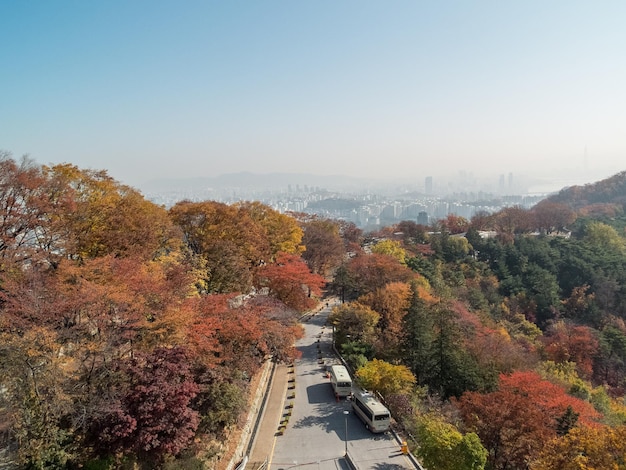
(428, 184)
(422, 218)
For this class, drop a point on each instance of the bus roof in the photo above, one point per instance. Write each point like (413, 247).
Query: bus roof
(369, 400)
(340, 373)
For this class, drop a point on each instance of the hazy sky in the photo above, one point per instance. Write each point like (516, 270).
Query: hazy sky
(151, 89)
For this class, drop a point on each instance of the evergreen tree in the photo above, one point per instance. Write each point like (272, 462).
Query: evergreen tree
(418, 326)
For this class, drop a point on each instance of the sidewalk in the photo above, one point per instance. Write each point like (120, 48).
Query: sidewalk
(272, 413)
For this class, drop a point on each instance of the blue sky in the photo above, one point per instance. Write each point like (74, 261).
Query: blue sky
(153, 89)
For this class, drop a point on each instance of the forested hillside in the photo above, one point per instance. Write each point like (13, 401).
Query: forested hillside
(610, 191)
(499, 342)
(124, 332)
(131, 334)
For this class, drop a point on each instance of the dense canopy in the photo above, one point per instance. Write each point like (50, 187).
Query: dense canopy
(130, 333)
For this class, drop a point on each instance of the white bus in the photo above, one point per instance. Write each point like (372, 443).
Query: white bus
(372, 412)
(341, 381)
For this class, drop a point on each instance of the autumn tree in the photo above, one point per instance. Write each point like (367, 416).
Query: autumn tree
(584, 447)
(355, 321)
(62, 212)
(231, 243)
(566, 342)
(373, 271)
(62, 329)
(392, 303)
(444, 447)
(511, 221)
(23, 210)
(281, 231)
(290, 281)
(495, 350)
(603, 235)
(107, 339)
(98, 312)
(455, 224)
(36, 394)
(552, 216)
(89, 306)
(516, 420)
(580, 304)
(117, 304)
(412, 233)
(238, 337)
(228, 340)
(324, 246)
(153, 417)
(391, 248)
(481, 220)
(97, 216)
(226, 268)
(385, 378)
(351, 235)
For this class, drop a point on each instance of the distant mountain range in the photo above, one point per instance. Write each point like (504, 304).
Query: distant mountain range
(255, 181)
(611, 190)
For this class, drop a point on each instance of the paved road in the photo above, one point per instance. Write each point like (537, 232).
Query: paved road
(315, 435)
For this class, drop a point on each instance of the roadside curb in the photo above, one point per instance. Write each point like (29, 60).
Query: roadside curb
(255, 414)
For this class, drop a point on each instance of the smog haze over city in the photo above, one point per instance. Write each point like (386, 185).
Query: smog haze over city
(153, 90)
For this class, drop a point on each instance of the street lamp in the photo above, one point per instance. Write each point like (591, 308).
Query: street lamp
(346, 413)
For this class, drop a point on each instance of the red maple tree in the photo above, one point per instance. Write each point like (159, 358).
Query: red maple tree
(515, 421)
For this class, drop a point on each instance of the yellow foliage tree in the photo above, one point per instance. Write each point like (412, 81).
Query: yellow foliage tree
(385, 378)
(585, 448)
(443, 447)
(392, 248)
(93, 215)
(282, 231)
(598, 233)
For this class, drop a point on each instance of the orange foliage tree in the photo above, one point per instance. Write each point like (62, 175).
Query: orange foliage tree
(229, 242)
(235, 336)
(290, 281)
(369, 272)
(392, 302)
(94, 215)
(515, 421)
(566, 342)
(281, 231)
(455, 224)
(95, 278)
(584, 447)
